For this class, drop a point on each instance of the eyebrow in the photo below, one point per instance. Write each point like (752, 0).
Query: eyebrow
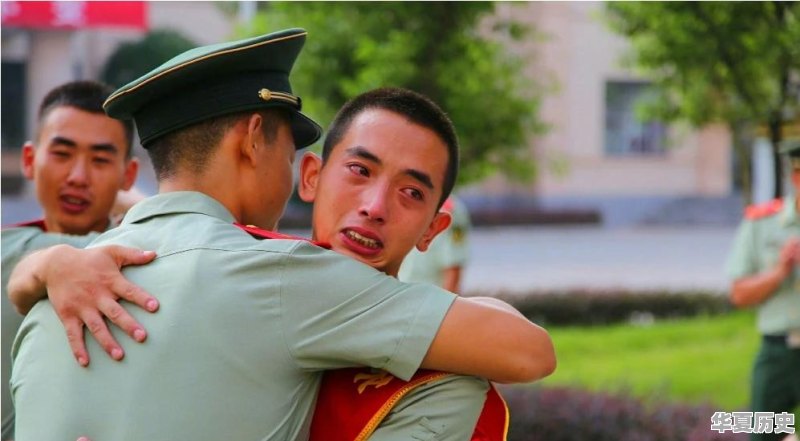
(365, 154)
(102, 147)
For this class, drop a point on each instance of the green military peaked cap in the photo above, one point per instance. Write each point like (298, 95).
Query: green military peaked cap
(216, 80)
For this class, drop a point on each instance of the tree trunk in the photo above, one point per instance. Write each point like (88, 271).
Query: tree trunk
(775, 137)
(743, 149)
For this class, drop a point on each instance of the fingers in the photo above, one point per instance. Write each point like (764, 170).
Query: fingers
(120, 317)
(134, 294)
(130, 256)
(74, 329)
(97, 326)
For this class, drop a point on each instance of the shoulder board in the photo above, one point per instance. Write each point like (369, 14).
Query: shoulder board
(261, 234)
(38, 223)
(754, 212)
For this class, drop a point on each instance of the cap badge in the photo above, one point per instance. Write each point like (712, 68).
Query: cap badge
(265, 94)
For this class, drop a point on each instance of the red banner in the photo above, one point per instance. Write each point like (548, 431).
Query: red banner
(74, 14)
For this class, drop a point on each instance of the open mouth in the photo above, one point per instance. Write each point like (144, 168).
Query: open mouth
(363, 240)
(73, 204)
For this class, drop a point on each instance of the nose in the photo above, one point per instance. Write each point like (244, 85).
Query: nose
(79, 173)
(374, 203)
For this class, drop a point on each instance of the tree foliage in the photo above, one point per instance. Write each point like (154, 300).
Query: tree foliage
(132, 60)
(732, 62)
(451, 52)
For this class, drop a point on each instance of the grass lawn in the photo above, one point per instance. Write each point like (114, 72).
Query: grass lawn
(695, 360)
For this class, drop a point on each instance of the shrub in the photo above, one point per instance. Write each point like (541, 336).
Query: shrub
(587, 307)
(565, 414)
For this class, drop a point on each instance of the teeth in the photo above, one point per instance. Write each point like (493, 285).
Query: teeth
(367, 242)
(72, 200)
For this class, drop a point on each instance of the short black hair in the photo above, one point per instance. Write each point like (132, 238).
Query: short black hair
(191, 147)
(88, 96)
(418, 108)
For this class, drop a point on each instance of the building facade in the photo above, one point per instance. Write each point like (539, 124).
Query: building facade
(596, 157)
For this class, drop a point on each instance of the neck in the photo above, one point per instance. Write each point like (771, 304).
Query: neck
(207, 183)
(54, 227)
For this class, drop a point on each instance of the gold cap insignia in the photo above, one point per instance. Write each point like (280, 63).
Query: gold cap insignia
(265, 94)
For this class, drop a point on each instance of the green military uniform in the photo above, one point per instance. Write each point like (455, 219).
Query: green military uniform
(237, 348)
(449, 249)
(444, 410)
(16, 243)
(776, 382)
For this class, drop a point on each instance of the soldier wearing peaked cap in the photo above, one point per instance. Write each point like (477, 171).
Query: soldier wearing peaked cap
(246, 327)
(763, 265)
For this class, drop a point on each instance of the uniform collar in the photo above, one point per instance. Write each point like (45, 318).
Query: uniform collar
(177, 202)
(789, 211)
(40, 224)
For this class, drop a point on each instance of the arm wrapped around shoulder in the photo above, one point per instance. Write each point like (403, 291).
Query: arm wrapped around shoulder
(487, 337)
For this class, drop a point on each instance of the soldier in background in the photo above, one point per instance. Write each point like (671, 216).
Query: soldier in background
(79, 160)
(763, 266)
(444, 261)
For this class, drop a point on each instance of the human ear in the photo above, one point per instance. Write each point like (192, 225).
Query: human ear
(28, 159)
(310, 167)
(253, 137)
(439, 223)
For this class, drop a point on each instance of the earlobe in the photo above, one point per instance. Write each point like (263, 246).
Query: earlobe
(28, 159)
(310, 167)
(439, 223)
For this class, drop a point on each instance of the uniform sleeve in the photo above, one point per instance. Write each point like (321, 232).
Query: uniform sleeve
(17, 242)
(337, 312)
(742, 260)
(444, 410)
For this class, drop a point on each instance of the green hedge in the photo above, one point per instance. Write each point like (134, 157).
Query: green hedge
(588, 307)
(567, 414)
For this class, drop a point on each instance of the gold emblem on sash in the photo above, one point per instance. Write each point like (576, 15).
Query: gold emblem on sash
(377, 380)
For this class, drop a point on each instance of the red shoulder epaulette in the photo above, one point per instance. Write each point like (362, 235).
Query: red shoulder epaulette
(38, 223)
(261, 234)
(753, 212)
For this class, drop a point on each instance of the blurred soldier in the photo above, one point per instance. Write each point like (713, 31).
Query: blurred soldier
(79, 160)
(763, 266)
(443, 263)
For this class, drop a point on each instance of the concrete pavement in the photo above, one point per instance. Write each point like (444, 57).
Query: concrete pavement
(546, 258)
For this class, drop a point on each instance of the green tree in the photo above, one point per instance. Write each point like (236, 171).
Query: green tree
(453, 52)
(132, 60)
(731, 62)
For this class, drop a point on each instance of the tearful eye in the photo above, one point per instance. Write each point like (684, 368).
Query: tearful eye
(415, 194)
(358, 169)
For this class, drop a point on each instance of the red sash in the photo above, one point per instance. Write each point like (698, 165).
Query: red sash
(353, 402)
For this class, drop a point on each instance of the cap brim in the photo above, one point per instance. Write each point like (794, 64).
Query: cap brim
(304, 130)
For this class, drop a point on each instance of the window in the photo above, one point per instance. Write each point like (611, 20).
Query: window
(13, 105)
(627, 135)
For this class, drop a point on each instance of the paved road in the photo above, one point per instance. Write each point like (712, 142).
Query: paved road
(525, 258)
